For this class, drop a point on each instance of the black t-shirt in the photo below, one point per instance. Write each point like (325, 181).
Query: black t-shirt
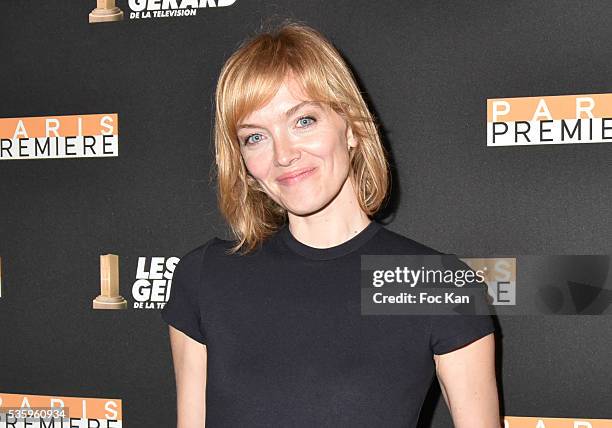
(287, 344)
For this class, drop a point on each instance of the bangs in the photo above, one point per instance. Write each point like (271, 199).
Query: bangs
(255, 77)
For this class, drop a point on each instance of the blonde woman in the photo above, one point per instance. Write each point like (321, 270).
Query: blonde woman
(266, 329)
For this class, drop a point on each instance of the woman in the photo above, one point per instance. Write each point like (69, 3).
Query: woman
(267, 330)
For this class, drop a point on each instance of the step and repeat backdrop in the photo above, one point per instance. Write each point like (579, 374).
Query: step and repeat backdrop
(498, 118)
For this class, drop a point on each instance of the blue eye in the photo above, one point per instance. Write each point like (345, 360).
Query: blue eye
(304, 120)
(255, 141)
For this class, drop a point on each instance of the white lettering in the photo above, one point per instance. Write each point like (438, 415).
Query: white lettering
(498, 112)
(542, 110)
(588, 109)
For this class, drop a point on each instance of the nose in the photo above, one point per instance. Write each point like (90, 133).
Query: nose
(285, 150)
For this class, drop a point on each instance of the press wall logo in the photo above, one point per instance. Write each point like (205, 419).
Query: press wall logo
(52, 137)
(109, 297)
(107, 10)
(562, 119)
(499, 275)
(151, 289)
(537, 422)
(27, 410)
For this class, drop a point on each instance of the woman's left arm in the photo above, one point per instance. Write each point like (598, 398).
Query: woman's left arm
(467, 381)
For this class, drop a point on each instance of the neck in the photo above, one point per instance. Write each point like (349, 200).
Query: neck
(336, 223)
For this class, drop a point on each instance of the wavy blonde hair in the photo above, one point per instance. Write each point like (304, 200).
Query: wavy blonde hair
(248, 80)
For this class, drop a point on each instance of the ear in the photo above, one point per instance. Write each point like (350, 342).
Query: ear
(351, 141)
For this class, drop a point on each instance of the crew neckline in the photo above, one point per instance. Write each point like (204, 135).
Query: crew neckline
(328, 253)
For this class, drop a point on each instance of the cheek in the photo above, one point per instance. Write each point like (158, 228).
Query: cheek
(257, 165)
(338, 150)
(328, 146)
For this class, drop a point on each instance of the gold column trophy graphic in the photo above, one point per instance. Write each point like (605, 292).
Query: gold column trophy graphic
(105, 12)
(109, 297)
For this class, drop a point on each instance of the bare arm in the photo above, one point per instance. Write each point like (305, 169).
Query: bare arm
(189, 358)
(467, 381)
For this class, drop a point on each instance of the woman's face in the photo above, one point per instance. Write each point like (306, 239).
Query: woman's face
(297, 150)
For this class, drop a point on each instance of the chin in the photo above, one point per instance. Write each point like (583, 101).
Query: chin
(306, 208)
(301, 211)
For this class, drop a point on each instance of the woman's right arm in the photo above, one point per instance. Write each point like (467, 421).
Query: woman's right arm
(189, 358)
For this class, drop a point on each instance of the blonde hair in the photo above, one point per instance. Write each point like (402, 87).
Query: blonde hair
(248, 80)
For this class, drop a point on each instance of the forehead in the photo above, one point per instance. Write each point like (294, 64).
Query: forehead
(289, 94)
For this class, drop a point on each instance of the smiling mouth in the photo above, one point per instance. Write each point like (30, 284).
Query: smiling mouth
(297, 178)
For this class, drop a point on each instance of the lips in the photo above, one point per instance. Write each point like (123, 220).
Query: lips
(295, 176)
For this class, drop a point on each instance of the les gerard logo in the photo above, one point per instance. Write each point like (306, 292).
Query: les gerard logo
(109, 297)
(150, 289)
(108, 11)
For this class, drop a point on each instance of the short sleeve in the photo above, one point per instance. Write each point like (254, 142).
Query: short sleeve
(451, 332)
(182, 311)
(454, 331)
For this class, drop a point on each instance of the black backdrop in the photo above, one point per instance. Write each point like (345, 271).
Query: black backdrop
(427, 68)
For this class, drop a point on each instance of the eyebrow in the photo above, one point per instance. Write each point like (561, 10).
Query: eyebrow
(288, 113)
